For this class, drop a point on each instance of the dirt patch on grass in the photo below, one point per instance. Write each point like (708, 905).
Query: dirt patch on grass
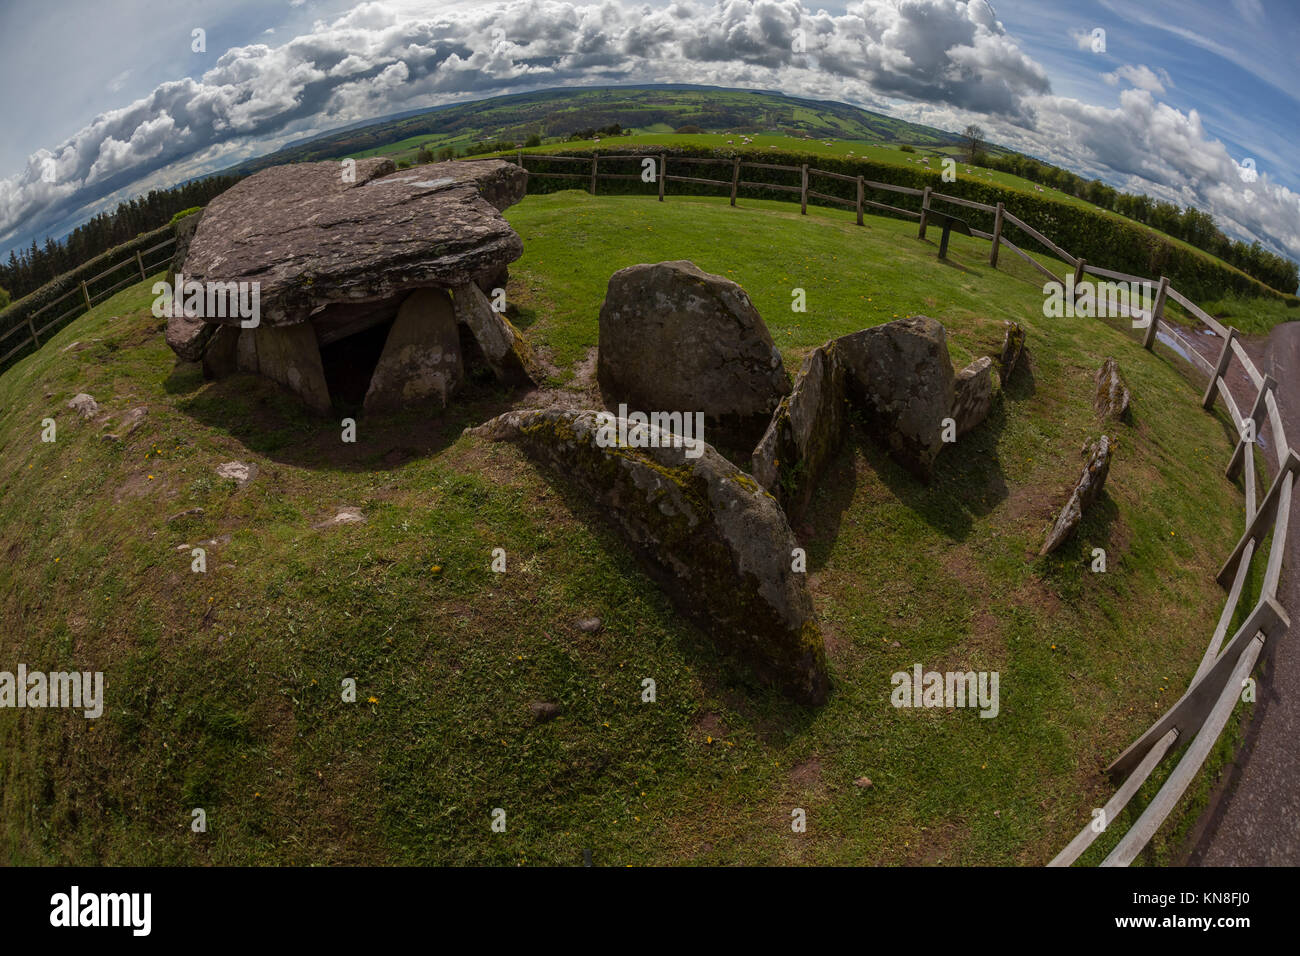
(807, 775)
(936, 845)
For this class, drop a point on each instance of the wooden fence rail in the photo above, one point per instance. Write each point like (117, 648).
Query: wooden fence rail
(85, 299)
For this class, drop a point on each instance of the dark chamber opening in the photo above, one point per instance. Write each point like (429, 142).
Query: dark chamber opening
(350, 362)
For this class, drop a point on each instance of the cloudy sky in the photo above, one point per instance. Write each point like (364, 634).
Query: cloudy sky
(1191, 102)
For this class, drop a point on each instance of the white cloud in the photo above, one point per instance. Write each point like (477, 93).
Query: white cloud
(1140, 76)
(942, 62)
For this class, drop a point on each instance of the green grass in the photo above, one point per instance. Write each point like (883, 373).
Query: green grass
(223, 688)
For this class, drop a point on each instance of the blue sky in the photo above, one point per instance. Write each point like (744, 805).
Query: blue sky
(111, 99)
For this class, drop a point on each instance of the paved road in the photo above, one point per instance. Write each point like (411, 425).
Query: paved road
(1255, 818)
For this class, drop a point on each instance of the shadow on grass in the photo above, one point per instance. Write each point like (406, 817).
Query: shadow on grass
(271, 421)
(968, 482)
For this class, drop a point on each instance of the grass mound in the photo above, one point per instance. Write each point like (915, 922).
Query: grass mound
(224, 688)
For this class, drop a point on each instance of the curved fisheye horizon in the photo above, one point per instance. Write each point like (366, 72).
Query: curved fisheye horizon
(1154, 100)
(691, 434)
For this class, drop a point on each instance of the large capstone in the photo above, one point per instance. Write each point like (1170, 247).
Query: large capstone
(719, 545)
(676, 339)
(334, 251)
(804, 432)
(187, 336)
(902, 376)
(313, 234)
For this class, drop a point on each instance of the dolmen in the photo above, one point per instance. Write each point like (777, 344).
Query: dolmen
(370, 286)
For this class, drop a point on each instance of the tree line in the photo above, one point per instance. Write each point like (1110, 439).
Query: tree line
(27, 271)
(1194, 227)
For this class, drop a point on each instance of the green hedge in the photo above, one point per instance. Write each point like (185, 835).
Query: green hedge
(1102, 238)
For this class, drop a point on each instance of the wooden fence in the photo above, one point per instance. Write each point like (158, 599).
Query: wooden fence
(1201, 713)
(83, 299)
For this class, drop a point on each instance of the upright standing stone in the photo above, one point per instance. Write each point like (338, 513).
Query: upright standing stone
(902, 375)
(804, 432)
(289, 355)
(421, 357)
(1013, 344)
(1085, 492)
(675, 338)
(504, 348)
(1112, 395)
(972, 394)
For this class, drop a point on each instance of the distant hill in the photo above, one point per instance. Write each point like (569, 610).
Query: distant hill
(560, 113)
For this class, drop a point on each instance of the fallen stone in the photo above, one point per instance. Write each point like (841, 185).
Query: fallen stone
(804, 432)
(1112, 397)
(902, 376)
(503, 347)
(863, 782)
(972, 394)
(289, 355)
(237, 471)
(1085, 493)
(1013, 346)
(589, 625)
(421, 357)
(84, 405)
(676, 339)
(344, 516)
(718, 544)
(545, 710)
(188, 513)
(132, 420)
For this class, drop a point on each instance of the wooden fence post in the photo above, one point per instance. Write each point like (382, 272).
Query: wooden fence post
(925, 209)
(1156, 312)
(140, 262)
(521, 159)
(594, 157)
(803, 192)
(860, 191)
(663, 174)
(1258, 412)
(85, 293)
(735, 179)
(1080, 270)
(1219, 369)
(997, 235)
(32, 329)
